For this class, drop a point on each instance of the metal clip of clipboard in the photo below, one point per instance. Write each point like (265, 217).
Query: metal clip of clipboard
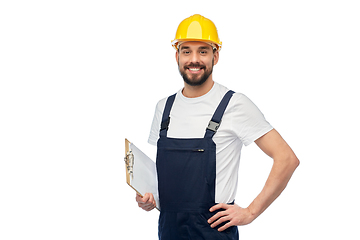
(129, 161)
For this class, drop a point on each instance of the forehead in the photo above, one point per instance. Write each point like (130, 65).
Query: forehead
(195, 45)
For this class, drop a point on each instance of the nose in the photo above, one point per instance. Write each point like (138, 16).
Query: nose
(195, 58)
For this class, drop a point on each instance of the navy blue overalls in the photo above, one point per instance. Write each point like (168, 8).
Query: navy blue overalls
(186, 171)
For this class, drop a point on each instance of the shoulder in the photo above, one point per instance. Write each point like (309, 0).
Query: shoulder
(161, 105)
(242, 107)
(240, 101)
(237, 97)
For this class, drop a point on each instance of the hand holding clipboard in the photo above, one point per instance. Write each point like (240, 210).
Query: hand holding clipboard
(140, 172)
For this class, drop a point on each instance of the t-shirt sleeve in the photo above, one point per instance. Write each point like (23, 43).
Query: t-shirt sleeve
(155, 126)
(248, 121)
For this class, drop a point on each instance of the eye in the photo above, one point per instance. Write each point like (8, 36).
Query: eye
(186, 52)
(203, 52)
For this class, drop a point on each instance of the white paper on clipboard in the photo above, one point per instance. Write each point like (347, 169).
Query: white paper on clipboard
(143, 177)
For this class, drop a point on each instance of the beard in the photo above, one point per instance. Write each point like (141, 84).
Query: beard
(198, 79)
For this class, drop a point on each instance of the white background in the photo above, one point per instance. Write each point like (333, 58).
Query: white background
(77, 77)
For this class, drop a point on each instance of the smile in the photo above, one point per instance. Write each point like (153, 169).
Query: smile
(194, 70)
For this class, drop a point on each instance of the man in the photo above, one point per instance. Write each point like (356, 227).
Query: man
(199, 133)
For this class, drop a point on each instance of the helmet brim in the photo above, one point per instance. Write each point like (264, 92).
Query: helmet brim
(176, 43)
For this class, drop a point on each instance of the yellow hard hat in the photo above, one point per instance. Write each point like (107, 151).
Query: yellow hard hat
(197, 28)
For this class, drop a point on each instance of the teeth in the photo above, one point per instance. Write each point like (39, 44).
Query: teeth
(194, 69)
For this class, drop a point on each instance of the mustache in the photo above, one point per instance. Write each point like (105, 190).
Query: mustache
(195, 65)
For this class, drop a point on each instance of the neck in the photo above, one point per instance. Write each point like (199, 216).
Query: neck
(198, 91)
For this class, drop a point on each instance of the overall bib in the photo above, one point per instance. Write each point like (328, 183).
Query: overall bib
(186, 171)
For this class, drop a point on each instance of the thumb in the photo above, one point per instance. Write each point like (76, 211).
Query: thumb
(146, 197)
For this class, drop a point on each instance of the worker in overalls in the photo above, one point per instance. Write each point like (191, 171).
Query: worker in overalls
(199, 133)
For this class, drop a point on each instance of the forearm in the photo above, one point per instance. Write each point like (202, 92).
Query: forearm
(285, 163)
(279, 176)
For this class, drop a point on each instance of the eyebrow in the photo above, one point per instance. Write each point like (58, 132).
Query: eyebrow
(202, 47)
(205, 47)
(184, 47)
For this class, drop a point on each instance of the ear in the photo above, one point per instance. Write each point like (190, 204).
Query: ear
(177, 56)
(216, 57)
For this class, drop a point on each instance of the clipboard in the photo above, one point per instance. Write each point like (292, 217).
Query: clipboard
(140, 172)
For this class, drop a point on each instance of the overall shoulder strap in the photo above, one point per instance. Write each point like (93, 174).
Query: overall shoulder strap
(166, 116)
(219, 112)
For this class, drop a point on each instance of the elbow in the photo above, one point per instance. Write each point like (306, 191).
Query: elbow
(294, 161)
(289, 161)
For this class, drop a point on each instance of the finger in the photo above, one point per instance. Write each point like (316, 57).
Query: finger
(226, 226)
(154, 203)
(149, 207)
(217, 216)
(219, 206)
(146, 207)
(151, 198)
(138, 198)
(146, 197)
(147, 203)
(220, 220)
(143, 199)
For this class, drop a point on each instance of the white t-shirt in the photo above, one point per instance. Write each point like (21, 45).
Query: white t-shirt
(242, 123)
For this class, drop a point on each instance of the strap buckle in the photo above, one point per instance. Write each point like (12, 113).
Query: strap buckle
(213, 126)
(165, 124)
